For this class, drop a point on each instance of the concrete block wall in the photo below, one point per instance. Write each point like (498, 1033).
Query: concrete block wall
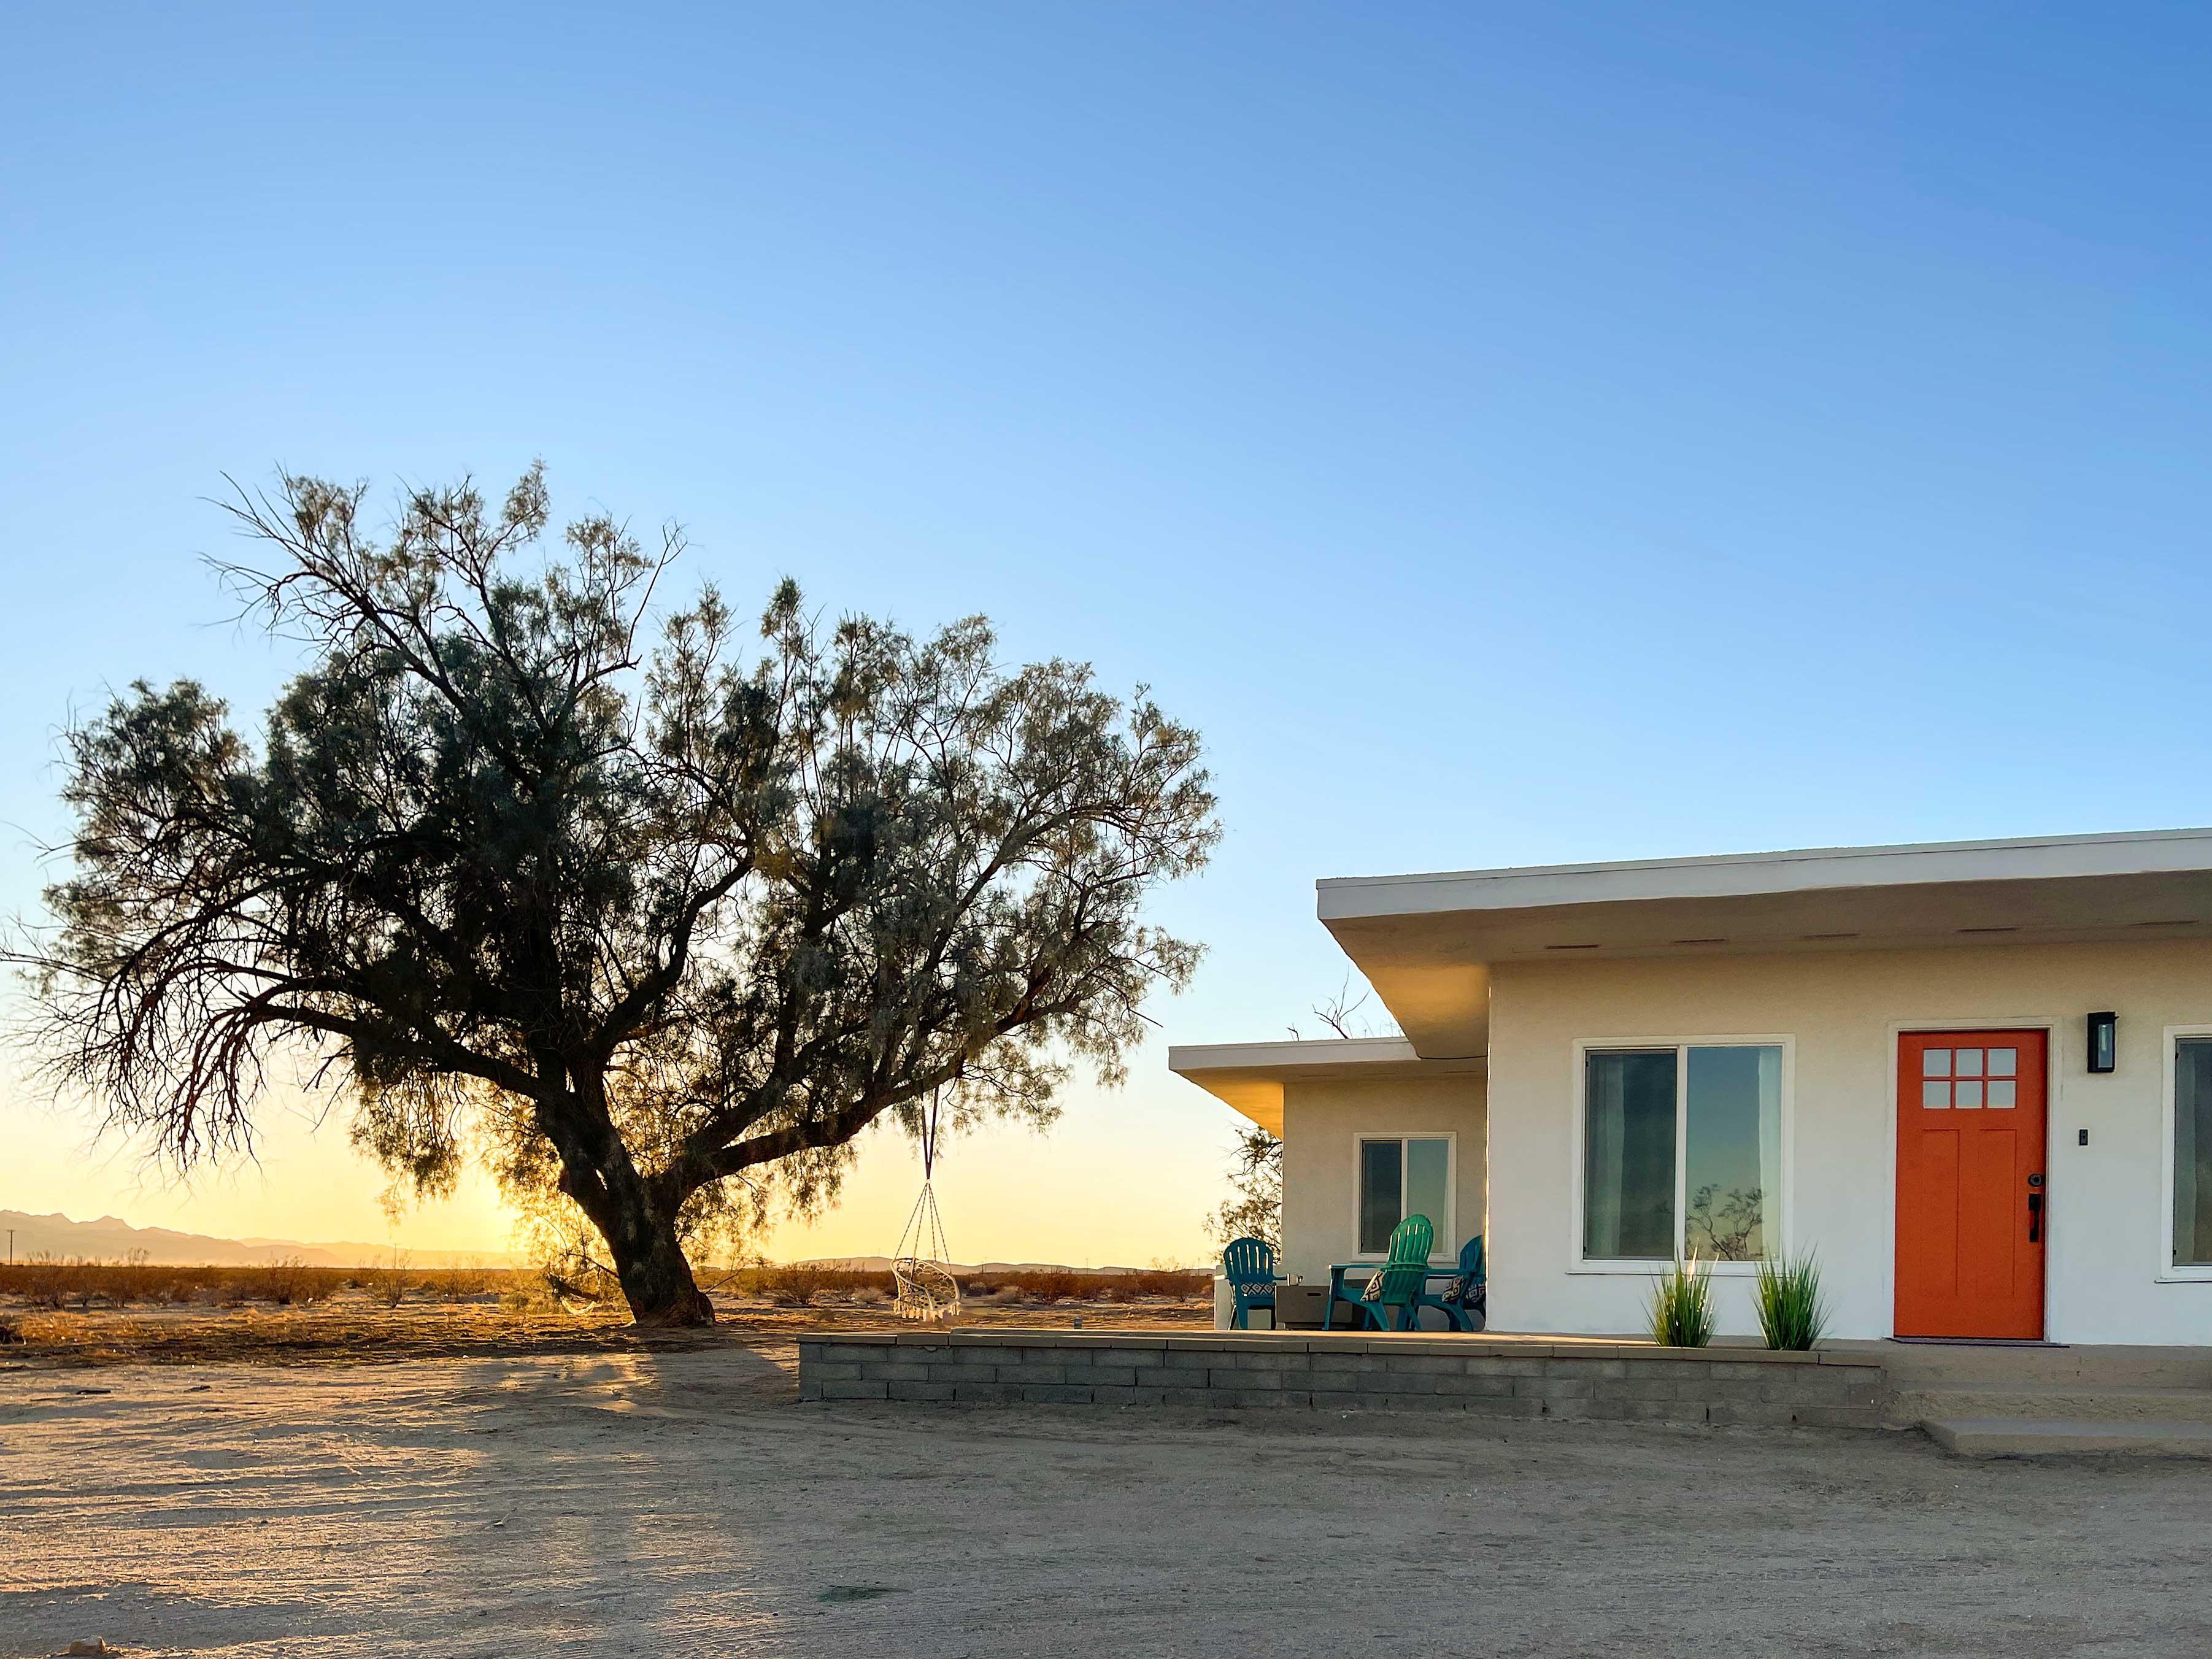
(1483, 1375)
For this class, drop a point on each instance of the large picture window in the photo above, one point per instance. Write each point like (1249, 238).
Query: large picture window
(1401, 1175)
(2192, 1150)
(1682, 1152)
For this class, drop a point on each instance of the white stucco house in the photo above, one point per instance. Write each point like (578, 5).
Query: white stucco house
(1975, 1078)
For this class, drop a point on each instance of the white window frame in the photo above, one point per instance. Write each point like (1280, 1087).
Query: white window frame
(1444, 1246)
(2170, 1272)
(1579, 1131)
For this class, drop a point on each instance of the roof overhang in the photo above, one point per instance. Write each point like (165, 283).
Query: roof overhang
(1427, 943)
(1249, 1076)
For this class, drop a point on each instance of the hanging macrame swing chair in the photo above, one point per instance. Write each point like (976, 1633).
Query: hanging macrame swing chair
(926, 1290)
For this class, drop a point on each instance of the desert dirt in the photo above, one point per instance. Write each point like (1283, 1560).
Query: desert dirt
(680, 1501)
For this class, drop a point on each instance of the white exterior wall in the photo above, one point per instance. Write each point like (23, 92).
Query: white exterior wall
(1842, 1011)
(1321, 1120)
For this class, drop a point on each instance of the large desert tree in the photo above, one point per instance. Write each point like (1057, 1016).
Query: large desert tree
(643, 912)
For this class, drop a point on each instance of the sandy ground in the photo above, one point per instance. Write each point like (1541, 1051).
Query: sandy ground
(683, 1502)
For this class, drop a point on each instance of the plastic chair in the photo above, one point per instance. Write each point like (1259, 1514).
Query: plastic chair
(1466, 1300)
(1249, 1265)
(1399, 1280)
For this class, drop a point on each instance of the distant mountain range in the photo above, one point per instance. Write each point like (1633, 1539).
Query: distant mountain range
(111, 1238)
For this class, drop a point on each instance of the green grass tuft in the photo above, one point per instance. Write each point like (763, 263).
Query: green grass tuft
(1792, 1312)
(1682, 1306)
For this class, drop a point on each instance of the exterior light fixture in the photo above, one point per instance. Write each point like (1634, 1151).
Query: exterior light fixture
(2104, 1042)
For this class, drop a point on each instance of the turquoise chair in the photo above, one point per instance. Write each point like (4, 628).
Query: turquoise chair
(1399, 1282)
(1249, 1265)
(1466, 1300)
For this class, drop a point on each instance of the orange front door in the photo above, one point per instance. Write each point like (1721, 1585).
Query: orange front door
(1970, 1199)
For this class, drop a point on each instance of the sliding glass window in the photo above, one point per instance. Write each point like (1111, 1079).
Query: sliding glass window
(2192, 1152)
(1681, 1152)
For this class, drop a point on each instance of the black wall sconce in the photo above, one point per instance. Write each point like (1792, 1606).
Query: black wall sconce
(2104, 1042)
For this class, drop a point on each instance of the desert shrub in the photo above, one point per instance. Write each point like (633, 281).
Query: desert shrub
(793, 1286)
(1682, 1306)
(11, 1330)
(1793, 1313)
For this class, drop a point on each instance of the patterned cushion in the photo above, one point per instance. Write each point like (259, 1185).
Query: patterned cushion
(1374, 1287)
(1456, 1291)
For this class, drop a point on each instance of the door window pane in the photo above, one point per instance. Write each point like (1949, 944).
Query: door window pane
(2192, 1153)
(2001, 1093)
(1970, 1094)
(1382, 1185)
(1935, 1062)
(1731, 1150)
(1970, 1062)
(1628, 1155)
(1936, 1093)
(1428, 1185)
(2003, 1062)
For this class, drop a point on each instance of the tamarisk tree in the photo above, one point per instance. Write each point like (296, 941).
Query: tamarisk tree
(643, 913)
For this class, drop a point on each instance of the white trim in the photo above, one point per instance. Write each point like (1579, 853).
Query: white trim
(1443, 1244)
(1800, 869)
(1577, 1062)
(2170, 1272)
(2053, 1094)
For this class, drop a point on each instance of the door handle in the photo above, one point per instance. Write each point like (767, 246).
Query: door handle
(2035, 1218)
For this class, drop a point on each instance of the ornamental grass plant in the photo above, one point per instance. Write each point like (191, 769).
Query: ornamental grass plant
(1682, 1306)
(1793, 1312)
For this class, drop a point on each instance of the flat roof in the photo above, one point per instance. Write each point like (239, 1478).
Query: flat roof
(1249, 1076)
(1427, 942)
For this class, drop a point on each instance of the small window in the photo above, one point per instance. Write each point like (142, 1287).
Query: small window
(1682, 1152)
(1401, 1175)
(2192, 1152)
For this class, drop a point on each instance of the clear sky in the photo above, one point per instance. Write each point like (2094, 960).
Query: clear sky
(1511, 434)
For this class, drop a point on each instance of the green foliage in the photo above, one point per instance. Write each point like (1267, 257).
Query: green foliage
(1254, 1208)
(1682, 1306)
(1793, 1313)
(653, 920)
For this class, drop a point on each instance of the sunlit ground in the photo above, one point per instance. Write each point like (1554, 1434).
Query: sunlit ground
(683, 1504)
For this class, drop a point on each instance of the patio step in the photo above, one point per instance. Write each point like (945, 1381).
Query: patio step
(2025, 1437)
(2051, 1401)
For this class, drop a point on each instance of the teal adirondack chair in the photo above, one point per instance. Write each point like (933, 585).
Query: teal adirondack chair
(1465, 1301)
(1398, 1284)
(1249, 1265)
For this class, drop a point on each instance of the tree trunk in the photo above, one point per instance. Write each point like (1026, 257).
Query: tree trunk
(635, 1216)
(656, 1277)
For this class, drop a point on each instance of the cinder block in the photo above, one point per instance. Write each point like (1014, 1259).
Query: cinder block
(1187, 1396)
(809, 1390)
(1590, 1368)
(1646, 1410)
(853, 1354)
(895, 1371)
(1054, 1393)
(963, 1370)
(1279, 1361)
(1483, 1386)
(1171, 1377)
(1740, 1370)
(1554, 1388)
(1489, 1367)
(1269, 1380)
(1671, 1370)
(919, 1391)
(1033, 1374)
(1108, 1393)
(861, 1390)
(986, 1393)
(823, 1371)
(1239, 1399)
(1119, 1377)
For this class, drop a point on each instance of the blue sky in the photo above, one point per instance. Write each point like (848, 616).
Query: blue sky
(1511, 435)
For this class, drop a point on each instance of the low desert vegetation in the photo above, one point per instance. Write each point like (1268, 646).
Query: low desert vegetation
(1682, 1306)
(1793, 1310)
(54, 1283)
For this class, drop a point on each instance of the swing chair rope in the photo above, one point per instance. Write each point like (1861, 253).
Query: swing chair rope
(927, 1289)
